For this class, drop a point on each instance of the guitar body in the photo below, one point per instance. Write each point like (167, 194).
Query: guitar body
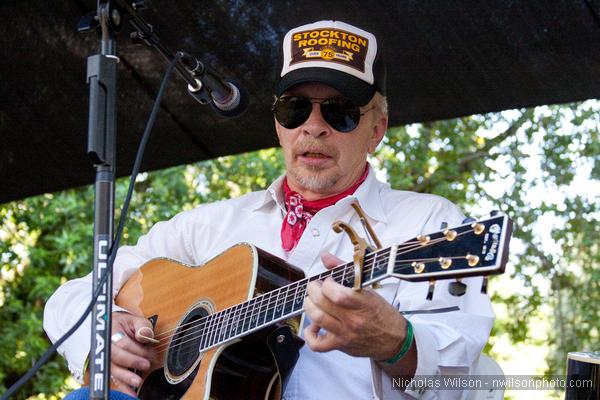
(173, 295)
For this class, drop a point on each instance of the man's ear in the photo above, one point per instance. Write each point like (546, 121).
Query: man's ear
(379, 128)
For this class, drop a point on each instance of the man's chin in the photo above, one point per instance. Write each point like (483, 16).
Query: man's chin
(316, 180)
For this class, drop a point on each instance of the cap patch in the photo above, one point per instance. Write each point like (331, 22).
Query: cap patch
(333, 53)
(330, 44)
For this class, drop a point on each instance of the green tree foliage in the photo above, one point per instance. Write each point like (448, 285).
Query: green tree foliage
(540, 165)
(45, 241)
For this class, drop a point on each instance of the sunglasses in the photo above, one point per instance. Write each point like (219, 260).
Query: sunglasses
(341, 114)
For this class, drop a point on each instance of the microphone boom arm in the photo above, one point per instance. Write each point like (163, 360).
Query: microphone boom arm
(188, 67)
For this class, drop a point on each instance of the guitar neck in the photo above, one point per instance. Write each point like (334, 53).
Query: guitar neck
(286, 301)
(473, 249)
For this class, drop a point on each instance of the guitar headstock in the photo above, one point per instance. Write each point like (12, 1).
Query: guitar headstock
(473, 249)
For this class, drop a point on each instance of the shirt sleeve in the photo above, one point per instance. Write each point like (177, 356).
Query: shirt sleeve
(68, 303)
(447, 343)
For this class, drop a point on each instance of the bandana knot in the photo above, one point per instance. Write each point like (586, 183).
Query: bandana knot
(300, 211)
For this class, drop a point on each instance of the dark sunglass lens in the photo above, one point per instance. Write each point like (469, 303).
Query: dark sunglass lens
(342, 115)
(291, 112)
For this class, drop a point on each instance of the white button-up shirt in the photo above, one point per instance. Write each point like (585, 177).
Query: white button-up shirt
(448, 343)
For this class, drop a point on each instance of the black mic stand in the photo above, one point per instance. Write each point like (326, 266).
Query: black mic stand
(102, 80)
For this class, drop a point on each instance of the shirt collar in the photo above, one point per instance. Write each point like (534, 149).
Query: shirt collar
(368, 195)
(273, 194)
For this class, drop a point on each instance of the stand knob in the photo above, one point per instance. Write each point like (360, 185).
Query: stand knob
(457, 288)
(430, 290)
(484, 285)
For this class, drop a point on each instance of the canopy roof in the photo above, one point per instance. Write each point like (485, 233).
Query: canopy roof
(445, 59)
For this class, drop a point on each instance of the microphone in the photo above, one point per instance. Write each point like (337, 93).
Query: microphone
(228, 99)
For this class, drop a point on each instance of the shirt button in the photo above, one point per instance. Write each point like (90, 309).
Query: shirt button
(315, 232)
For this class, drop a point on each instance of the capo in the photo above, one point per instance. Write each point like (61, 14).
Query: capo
(360, 250)
(375, 243)
(360, 244)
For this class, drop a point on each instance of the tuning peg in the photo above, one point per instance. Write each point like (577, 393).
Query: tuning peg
(457, 288)
(450, 234)
(423, 239)
(478, 228)
(430, 290)
(494, 213)
(472, 259)
(418, 266)
(484, 285)
(443, 226)
(445, 262)
(468, 220)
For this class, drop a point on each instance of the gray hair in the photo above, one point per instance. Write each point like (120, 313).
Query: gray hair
(380, 103)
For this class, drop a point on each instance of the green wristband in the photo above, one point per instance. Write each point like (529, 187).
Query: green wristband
(405, 347)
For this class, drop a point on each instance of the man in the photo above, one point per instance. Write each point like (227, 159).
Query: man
(330, 114)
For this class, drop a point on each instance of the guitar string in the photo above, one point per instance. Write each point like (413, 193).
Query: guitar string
(223, 328)
(178, 342)
(384, 259)
(368, 258)
(246, 305)
(222, 337)
(270, 314)
(221, 319)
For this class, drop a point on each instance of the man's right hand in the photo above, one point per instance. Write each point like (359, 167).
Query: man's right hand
(129, 352)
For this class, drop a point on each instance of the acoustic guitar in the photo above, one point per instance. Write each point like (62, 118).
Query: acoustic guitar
(227, 329)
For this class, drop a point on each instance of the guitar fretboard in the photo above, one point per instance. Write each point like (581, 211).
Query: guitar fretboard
(282, 303)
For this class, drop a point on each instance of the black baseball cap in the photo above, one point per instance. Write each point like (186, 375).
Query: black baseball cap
(334, 53)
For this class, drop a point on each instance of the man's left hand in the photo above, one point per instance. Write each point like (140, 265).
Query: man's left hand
(359, 323)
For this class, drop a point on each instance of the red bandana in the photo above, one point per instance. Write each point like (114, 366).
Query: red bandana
(300, 211)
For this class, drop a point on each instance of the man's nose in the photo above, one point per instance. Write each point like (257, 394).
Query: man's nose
(316, 125)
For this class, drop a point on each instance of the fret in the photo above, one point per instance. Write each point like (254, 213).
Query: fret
(257, 310)
(288, 305)
(379, 264)
(213, 329)
(246, 317)
(240, 319)
(278, 306)
(222, 335)
(333, 274)
(392, 260)
(253, 314)
(299, 295)
(219, 327)
(348, 281)
(225, 332)
(373, 265)
(264, 308)
(268, 308)
(206, 330)
(235, 316)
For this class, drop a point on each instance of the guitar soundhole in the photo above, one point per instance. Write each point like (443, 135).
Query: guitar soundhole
(183, 350)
